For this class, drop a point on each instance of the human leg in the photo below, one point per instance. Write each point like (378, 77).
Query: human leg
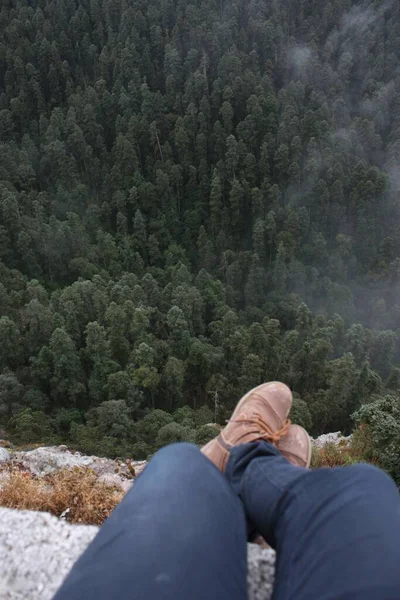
(179, 533)
(335, 531)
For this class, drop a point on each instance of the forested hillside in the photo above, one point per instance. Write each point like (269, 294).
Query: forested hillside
(195, 196)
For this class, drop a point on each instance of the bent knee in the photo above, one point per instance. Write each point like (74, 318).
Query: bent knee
(179, 451)
(369, 476)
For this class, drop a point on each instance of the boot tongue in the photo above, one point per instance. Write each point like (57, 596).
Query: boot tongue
(247, 426)
(242, 429)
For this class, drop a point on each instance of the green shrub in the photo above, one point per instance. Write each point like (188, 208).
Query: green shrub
(63, 420)
(203, 416)
(300, 414)
(148, 428)
(36, 400)
(205, 433)
(184, 416)
(173, 432)
(362, 444)
(32, 426)
(380, 427)
(85, 438)
(112, 418)
(140, 451)
(111, 447)
(89, 440)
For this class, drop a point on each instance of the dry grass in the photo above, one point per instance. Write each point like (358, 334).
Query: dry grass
(88, 500)
(333, 455)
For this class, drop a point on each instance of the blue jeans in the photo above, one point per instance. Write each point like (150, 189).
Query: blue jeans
(181, 532)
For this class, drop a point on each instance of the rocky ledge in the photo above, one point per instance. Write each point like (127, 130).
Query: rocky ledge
(41, 548)
(48, 459)
(38, 550)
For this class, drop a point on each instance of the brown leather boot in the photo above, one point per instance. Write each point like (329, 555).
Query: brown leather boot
(262, 414)
(295, 446)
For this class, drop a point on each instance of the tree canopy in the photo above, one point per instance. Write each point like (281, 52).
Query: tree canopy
(195, 197)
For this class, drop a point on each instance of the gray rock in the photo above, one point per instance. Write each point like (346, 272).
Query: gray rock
(41, 549)
(261, 572)
(37, 551)
(331, 438)
(4, 455)
(115, 480)
(48, 459)
(42, 461)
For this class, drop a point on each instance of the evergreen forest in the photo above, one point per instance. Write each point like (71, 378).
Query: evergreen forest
(196, 196)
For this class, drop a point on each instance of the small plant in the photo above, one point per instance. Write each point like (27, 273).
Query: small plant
(344, 453)
(172, 433)
(362, 443)
(205, 434)
(331, 455)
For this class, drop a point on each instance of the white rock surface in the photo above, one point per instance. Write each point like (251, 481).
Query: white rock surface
(4, 455)
(261, 572)
(44, 460)
(37, 551)
(331, 438)
(115, 480)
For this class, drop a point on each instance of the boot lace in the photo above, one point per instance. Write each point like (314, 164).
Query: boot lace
(264, 430)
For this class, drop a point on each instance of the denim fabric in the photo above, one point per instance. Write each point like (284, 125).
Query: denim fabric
(336, 531)
(180, 533)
